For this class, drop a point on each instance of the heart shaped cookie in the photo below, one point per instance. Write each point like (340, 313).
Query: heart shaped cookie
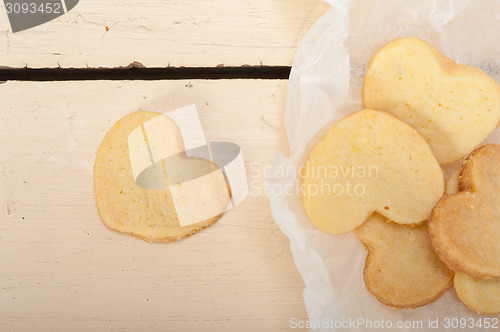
(479, 295)
(189, 193)
(370, 162)
(465, 227)
(453, 106)
(401, 269)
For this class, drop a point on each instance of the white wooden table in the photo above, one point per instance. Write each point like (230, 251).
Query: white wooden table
(159, 33)
(60, 267)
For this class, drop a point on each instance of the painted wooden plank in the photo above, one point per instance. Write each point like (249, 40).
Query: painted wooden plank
(161, 33)
(62, 269)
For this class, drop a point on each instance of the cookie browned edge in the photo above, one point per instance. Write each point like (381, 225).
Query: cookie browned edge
(442, 249)
(369, 248)
(465, 188)
(165, 239)
(464, 179)
(172, 238)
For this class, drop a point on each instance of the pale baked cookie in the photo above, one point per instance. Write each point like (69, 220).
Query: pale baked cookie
(453, 106)
(479, 295)
(190, 194)
(401, 269)
(370, 161)
(465, 227)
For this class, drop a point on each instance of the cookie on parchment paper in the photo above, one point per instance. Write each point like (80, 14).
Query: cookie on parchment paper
(465, 227)
(478, 295)
(370, 162)
(401, 269)
(455, 107)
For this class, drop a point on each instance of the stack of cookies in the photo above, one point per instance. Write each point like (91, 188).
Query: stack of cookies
(378, 173)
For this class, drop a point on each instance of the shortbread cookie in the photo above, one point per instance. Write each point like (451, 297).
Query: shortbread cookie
(401, 269)
(370, 161)
(479, 295)
(190, 194)
(453, 106)
(465, 227)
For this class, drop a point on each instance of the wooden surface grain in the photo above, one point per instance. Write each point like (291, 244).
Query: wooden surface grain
(161, 33)
(62, 269)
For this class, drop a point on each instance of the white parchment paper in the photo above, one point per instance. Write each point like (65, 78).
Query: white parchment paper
(325, 85)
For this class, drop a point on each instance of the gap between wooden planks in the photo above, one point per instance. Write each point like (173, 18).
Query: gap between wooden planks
(162, 33)
(135, 71)
(62, 269)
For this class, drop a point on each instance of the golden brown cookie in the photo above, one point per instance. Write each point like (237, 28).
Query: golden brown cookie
(148, 146)
(370, 162)
(465, 227)
(401, 269)
(479, 295)
(453, 106)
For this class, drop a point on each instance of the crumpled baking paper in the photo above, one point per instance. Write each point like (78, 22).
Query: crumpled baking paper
(324, 86)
